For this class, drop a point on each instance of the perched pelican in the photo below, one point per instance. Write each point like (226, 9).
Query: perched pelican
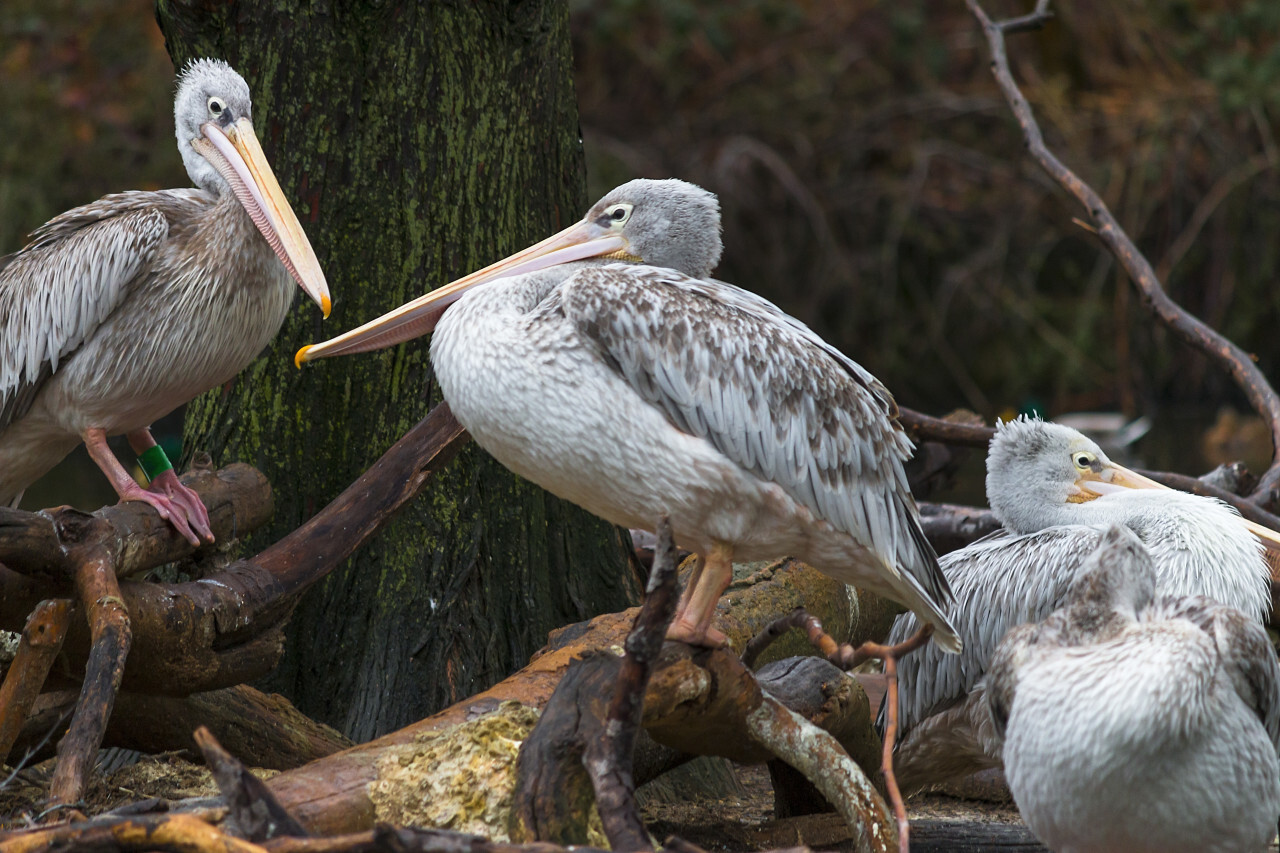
(120, 311)
(1056, 493)
(1140, 725)
(645, 388)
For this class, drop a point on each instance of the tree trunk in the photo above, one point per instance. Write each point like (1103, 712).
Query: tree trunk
(417, 142)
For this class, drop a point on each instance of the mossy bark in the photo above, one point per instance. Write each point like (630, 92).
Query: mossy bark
(417, 141)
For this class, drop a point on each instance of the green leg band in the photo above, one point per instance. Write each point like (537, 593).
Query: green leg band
(154, 462)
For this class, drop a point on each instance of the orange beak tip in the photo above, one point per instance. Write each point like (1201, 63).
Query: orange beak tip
(325, 305)
(301, 356)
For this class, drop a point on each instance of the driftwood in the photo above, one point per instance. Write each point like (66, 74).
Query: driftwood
(41, 641)
(262, 728)
(198, 636)
(332, 795)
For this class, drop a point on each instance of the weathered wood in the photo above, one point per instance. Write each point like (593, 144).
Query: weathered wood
(41, 640)
(260, 728)
(331, 795)
(227, 628)
(254, 814)
(944, 836)
(608, 759)
(238, 498)
(82, 537)
(820, 692)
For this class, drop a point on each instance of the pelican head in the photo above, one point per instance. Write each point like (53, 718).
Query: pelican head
(213, 120)
(1117, 579)
(669, 223)
(1036, 470)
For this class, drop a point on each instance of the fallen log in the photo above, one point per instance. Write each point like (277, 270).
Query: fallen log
(260, 728)
(332, 795)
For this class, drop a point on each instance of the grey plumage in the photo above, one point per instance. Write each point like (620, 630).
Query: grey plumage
(121, 310)
(1136, 723)
(1200, 546)
(645, 388)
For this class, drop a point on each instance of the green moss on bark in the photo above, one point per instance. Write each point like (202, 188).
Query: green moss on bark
(417, 142)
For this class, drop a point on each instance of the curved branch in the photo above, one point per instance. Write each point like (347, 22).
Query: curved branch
(1190, 329)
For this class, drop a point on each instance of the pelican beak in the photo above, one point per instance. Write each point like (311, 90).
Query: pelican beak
(1113, 477)
(417, 318)
(238, 157)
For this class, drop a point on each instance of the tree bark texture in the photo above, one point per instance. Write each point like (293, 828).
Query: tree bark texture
(417, 142)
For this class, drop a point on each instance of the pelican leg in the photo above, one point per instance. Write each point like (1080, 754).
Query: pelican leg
(692, 623)
(95, 441)
(168, 484)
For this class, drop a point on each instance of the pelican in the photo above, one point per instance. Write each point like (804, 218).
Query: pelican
(1056, 493)
(120, 311)
(1133, 724)
(606, 366)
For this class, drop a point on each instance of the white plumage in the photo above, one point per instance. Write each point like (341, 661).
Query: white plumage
(1056, 492)
(642, 390)
(1140, 725)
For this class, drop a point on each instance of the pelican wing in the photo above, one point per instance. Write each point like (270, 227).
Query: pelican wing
(1000, 581)
(1244, 650)
(767, 392)
(54, 293)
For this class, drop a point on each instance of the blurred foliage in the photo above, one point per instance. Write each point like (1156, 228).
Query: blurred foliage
(872, 178)
(874, 183)
(86, 108)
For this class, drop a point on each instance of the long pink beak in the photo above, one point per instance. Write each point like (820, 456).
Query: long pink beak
(414, 319)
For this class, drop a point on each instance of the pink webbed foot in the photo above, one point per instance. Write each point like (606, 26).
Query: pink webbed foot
(176, 503)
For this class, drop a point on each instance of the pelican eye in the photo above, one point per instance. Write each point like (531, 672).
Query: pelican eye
(216, 106)
(619, 213)
(1084, 459)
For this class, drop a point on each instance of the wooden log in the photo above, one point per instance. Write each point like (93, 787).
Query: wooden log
(332, 795)
(254, 813)
(41, 640)
(262, 729)
(238, 498)
(226, 629)
(820, 692)
(81, 537)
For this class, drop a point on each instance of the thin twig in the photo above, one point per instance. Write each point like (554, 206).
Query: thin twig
(1192, 330)
(847, 657)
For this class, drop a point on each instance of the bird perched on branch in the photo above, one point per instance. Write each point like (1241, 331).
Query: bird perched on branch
(607, 366)
(1139, 724)
(120, 311)
(1056, 493)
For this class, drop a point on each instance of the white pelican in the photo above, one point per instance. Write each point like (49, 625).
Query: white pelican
(1140, 725)
(120, 311)
(1056, 493)
(646, 388)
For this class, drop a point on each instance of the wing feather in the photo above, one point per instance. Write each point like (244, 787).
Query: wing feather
(55, 292)
(1000, 581)
(1244, 649)
(767, 392)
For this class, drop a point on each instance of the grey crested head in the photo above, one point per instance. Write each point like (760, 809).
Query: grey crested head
(668, 223)
(1032, 467)
(209, 90)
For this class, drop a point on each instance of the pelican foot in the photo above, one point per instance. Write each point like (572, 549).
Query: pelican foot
(175, 503)
(683, 631)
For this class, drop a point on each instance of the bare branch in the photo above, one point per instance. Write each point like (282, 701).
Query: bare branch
(1190, 329)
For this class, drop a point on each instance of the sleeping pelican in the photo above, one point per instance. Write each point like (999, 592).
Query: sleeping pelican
(120, 311)
(1140, 725)
(605, 365)
(1056, 493)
